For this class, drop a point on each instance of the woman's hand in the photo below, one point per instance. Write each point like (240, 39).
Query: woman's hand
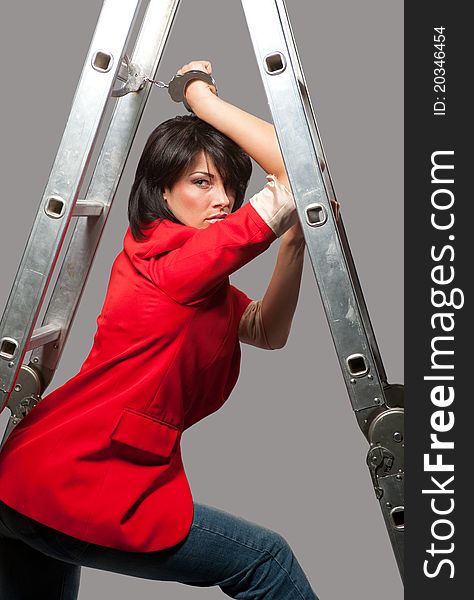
(197, 86)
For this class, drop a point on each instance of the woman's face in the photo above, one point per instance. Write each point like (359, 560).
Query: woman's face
(199, 197)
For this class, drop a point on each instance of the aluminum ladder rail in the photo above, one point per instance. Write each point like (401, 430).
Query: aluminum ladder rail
(378, 406)
(21, 385)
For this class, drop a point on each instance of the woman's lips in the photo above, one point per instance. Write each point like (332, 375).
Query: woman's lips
(214, 219)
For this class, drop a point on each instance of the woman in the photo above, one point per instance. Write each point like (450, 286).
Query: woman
(93, 475)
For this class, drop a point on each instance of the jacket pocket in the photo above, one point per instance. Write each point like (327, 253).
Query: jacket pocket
(145, 436)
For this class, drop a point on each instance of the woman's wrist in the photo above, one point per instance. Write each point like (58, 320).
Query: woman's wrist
(198, 91)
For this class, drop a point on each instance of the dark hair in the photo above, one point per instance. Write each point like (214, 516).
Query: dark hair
(168, 152)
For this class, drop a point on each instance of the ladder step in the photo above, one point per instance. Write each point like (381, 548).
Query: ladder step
(43, 335)
(87, 208)
(122, 74)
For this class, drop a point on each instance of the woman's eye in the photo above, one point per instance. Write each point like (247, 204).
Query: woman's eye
(201, 181)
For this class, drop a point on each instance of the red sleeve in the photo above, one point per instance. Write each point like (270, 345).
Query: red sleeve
(191, 272)
(241, 301)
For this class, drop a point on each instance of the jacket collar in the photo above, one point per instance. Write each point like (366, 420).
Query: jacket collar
(162, 236)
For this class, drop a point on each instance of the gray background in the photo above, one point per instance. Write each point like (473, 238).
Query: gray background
(285, 450)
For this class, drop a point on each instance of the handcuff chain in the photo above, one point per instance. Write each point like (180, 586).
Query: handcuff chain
(160, 84)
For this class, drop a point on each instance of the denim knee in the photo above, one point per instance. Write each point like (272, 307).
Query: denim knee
(274, 543)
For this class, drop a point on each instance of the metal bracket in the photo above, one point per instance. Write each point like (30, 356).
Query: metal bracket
(379, 458)
(135, 78)
(25, 395)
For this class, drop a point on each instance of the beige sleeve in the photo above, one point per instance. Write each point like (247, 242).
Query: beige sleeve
(276, 206)
(251, 330)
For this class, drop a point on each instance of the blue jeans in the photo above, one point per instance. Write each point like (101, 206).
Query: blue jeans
(244, 559)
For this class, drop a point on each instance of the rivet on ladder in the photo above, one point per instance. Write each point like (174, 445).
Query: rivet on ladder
(102, 61)
(316, 215)
(275, 63)
(398, 517)
(55, 207)
(357, 365)
(8, 347)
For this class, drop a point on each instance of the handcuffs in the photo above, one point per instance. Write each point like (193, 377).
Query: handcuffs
(177, 86)
(135, 80)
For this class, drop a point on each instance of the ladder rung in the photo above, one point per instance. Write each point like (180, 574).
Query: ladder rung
(44, 335)
(87, 208)
(122, 74)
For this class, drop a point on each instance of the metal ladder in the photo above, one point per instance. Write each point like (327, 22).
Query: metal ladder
(378, 406)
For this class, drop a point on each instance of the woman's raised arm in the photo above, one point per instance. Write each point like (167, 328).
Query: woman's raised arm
(258, 138)
(255, 136)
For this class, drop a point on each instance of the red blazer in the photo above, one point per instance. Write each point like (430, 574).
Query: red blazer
(99, 458)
